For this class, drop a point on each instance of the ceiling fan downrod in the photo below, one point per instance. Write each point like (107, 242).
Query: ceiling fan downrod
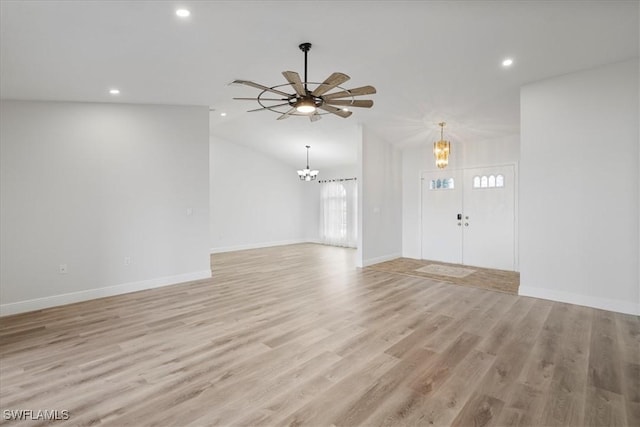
(305, 47)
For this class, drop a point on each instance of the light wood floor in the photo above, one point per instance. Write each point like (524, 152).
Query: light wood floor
(484, 278)
(297, 336)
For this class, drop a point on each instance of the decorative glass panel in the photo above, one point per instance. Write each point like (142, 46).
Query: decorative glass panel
(442, 184)
(488, 181)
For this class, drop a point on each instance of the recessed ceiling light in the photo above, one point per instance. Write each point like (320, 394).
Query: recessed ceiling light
(507, 62)
(114, 91)
(345, 109)
(183, 13)
(223, 114)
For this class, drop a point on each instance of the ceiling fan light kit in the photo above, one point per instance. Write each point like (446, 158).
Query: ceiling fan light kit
(306, 102)
(305, 106)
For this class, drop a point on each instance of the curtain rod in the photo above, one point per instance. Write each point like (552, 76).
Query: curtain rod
(334, 180)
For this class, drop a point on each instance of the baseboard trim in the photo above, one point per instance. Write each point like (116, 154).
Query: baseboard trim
(584, 300)
(376, 260)
(73, 297)
(256, 246)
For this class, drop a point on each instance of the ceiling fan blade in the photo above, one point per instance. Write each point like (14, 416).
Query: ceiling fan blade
(364, 103)
(332, 81)
(261, 99)
(337, 111)
(315, 117)
(294, 78)
(364, 90)
(286, 115)
(266, 108)
(259, 86)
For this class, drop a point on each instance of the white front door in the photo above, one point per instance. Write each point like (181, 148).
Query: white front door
(441, 205)
(484, 200)
(489, 217)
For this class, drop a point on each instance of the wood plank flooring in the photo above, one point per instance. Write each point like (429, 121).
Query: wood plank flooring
(484, 278)
(296, 335)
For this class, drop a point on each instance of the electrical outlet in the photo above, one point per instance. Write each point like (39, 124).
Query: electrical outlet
(62, 269)
(127, 260)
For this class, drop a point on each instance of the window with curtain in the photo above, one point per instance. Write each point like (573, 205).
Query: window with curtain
(338, 213)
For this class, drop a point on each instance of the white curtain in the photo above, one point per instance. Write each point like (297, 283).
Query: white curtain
(339, 213)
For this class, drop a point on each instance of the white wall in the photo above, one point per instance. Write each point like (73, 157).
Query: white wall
(88, 185)
(464, 154)
(579, 215)
(256, 200)
(379, 200)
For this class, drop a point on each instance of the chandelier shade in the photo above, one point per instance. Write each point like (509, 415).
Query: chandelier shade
(307, 174)
(441, 149)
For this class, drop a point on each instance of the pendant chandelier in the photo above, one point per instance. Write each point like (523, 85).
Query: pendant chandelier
(307, 174)
(441, 149)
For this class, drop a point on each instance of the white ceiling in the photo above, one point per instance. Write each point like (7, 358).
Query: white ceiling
(429, 60)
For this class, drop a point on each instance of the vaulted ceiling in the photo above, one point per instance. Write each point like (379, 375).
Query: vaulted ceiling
(429, 60)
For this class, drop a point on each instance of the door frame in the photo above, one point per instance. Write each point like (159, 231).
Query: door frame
(516, 207)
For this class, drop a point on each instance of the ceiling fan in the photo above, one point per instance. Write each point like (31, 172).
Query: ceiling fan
(311, 102)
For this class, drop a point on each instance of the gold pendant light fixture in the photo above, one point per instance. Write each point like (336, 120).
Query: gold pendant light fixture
(441, 149)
